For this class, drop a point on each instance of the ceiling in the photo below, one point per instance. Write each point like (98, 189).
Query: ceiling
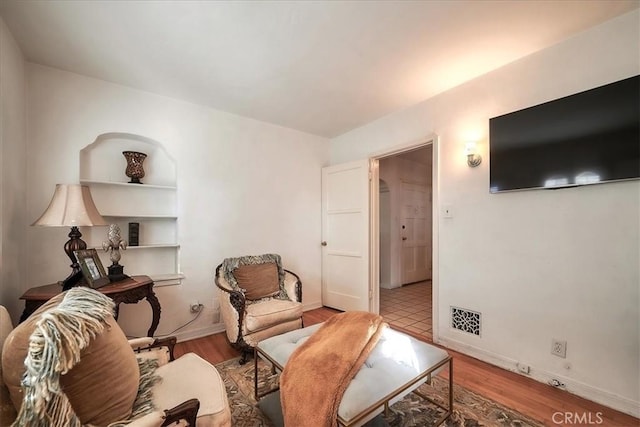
(322, 67)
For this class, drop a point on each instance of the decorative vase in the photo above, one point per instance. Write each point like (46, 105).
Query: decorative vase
(134, 165)
(113, 245)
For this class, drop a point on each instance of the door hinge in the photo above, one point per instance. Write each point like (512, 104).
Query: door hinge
(370, 293)
(370, 175)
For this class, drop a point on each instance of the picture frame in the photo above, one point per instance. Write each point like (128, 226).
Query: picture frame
(92, 268)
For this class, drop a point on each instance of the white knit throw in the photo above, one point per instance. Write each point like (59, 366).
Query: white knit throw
(54, 348)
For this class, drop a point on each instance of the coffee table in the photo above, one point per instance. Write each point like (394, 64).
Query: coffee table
(396, 366)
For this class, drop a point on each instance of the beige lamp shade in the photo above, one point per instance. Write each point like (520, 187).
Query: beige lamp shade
(71, 205)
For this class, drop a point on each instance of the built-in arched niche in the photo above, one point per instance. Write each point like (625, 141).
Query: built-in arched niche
(151, 204)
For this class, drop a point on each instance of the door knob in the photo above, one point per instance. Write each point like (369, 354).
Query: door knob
(324, 243)
(404, 238)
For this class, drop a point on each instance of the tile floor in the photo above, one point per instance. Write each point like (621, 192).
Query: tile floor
(408, 307)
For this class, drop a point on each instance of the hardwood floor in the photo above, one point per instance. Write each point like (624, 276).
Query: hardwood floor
(531, 398)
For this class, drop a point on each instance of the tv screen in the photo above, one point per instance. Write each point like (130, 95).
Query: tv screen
(588, 138)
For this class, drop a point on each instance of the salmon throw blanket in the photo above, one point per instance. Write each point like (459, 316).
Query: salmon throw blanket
(319, 371)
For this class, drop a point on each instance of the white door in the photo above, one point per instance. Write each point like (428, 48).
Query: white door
(345, 236)
(415, 233)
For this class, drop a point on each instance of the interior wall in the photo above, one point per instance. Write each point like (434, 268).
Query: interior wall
(537, 264)
(13, 172)
(385, 235)
(395, 170)
(244, 187)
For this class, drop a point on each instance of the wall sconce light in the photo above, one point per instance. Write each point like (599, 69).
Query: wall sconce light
(473, 158)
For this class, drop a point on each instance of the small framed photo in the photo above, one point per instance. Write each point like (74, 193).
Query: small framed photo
(92, 268)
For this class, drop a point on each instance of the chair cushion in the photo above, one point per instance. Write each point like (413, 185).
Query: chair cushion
(264, 314)
(101, 387)
(258, 280)
(191, 376)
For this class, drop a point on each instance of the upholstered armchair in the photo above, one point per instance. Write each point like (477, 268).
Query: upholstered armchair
(70, 364)
(258, 299)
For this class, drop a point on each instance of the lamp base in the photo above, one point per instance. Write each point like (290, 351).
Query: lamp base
(75, 243)
(116, 273)
(75, 279)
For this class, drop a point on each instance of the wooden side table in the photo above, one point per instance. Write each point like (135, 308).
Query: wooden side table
(128, 291)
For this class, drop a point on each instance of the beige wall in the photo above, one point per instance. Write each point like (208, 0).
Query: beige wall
(244, 187)
(537, 264)
(13, 173)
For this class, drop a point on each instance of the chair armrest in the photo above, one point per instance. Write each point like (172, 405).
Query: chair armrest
(138, 343)
(187, 411)
(232, 306)
(293, 286)
(142, 344)
(236, 298)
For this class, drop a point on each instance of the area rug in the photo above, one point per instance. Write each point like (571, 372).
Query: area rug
(470, 409)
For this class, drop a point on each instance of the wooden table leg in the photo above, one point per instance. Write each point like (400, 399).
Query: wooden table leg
(29, 308)
(132, 296)
(155, 307)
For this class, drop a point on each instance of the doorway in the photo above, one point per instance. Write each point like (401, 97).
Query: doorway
(406, 239)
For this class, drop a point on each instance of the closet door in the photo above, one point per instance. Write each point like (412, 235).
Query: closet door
(345, 236)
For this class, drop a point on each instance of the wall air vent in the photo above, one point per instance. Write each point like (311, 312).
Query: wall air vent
(466, 320)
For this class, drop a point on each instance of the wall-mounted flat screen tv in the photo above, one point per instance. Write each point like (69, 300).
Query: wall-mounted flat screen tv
(588, 138)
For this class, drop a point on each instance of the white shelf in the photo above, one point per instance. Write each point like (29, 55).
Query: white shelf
(126, 184)
(153, 203)
(154, 246)
(133, 216)
(166, 279)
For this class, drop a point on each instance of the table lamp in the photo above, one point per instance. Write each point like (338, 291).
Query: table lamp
(71, 206)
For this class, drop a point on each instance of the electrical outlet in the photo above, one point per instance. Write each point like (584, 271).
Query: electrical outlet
(556, 383)
(559, 348)
(195, 307)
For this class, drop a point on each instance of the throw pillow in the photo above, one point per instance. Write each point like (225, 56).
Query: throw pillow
(15, 348)
(258, 280)
(231, 265)
(102, 386)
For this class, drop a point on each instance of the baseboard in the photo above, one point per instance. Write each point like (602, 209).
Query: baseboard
(200, 332)
(311, 306)
(603, 397)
